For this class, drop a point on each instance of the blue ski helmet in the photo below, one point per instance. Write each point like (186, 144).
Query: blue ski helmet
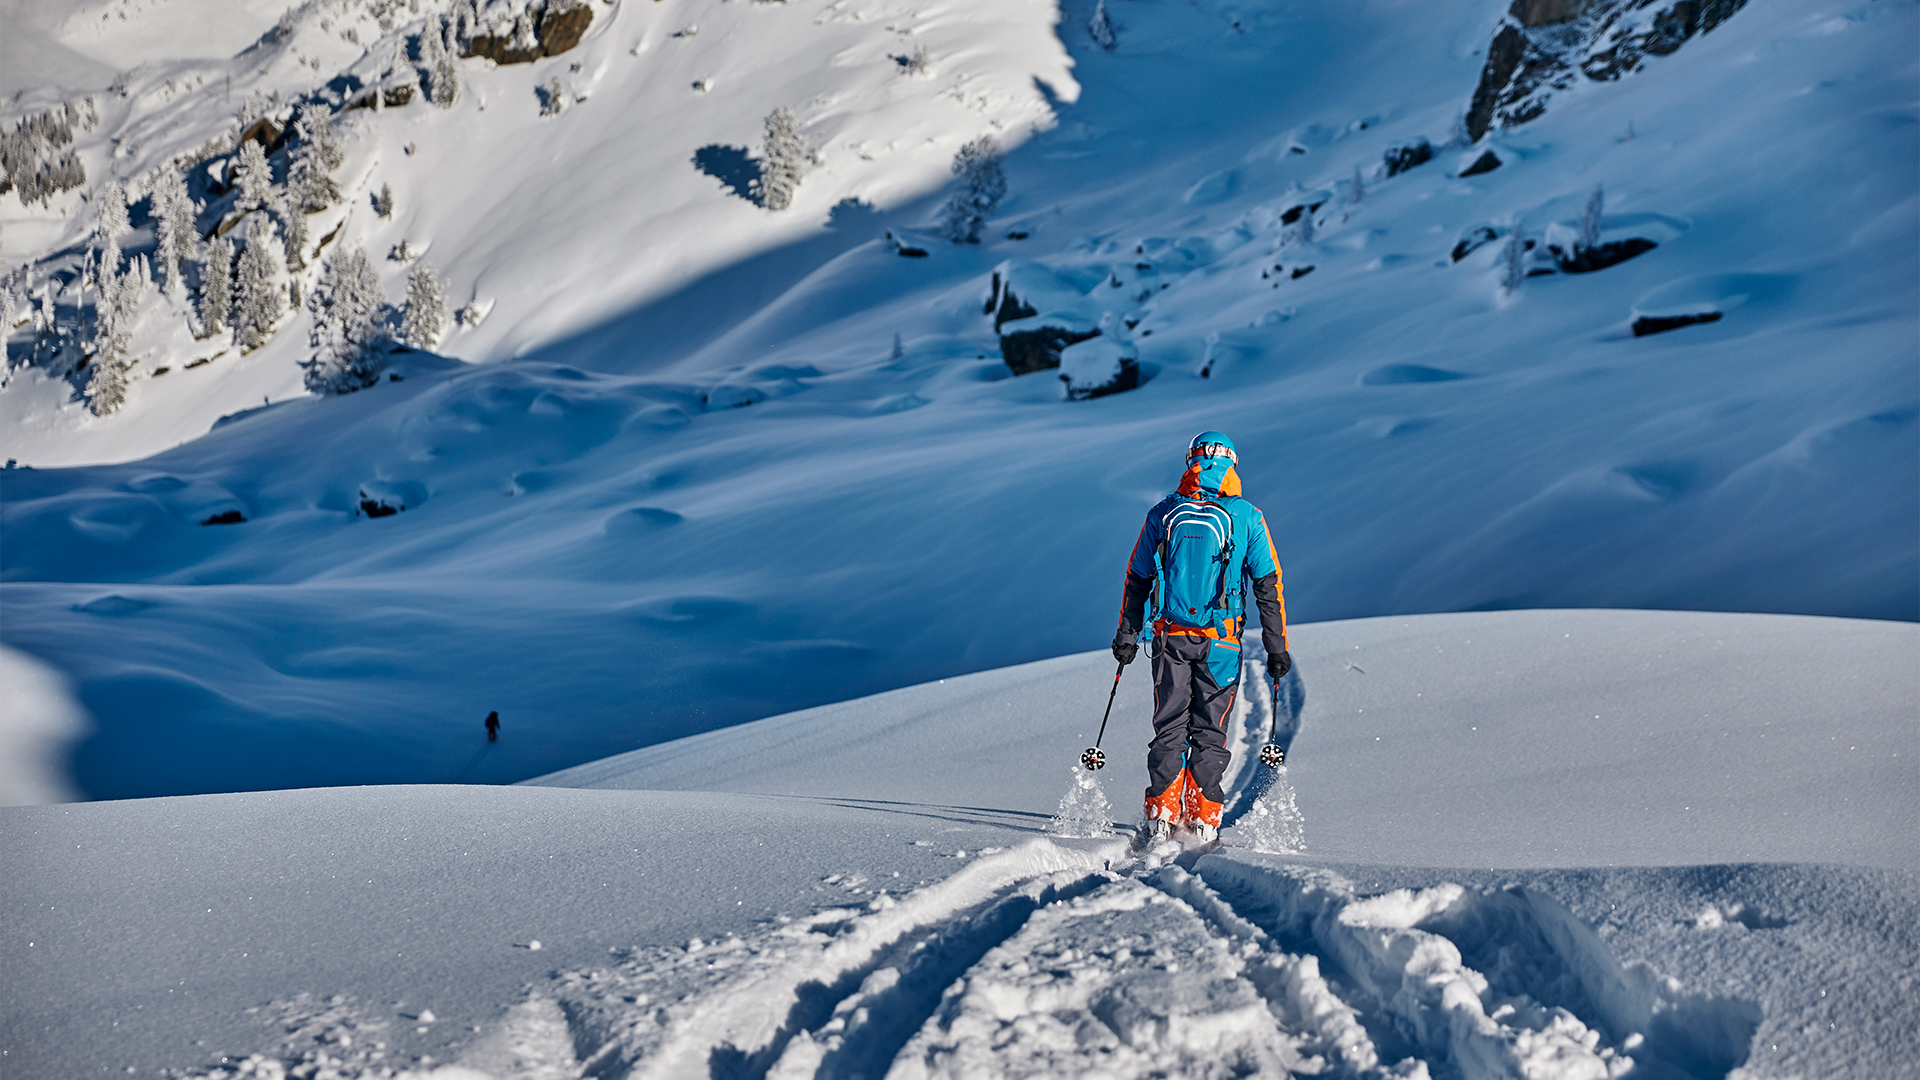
(1210, 444)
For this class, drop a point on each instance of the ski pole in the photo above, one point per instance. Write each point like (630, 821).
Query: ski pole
(1093, 758)
(1271, 755)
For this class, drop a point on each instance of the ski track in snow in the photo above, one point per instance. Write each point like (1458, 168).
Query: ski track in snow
(1047, 960)
(1056, 959)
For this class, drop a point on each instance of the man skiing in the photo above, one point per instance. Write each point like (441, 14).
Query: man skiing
(1195, 552)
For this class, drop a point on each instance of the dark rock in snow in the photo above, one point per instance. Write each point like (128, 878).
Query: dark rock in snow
(265, 132)
(392, 97)
(1660, 324)
(1301, 271)
(1503, 59)
(1037, 313)
(1292, 213)
(1485, 163)
(226, 517)
(1601, 256)
(1028, 351)
(558, 25)
(377, 508)
(1546, 45)
(1401, 158)
(1476, 238)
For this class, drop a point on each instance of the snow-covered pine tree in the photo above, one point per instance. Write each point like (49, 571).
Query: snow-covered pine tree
(173, 213)
(296, 224)
(426, 313)
(982, 186)
(216, 287)
(113, 215)
(1305, 231)
(310, 176)
(348, 325)
(1358, 190)
(1100, 28)
(253, 176)
(112, 319)
(783, 159)
(383, 202)
(1590, 220)
(443, 79)
(257, 296)
(899, 347)
(1513, 265)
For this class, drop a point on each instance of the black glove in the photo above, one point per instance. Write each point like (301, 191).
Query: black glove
(1125, 648)
(1278, 664)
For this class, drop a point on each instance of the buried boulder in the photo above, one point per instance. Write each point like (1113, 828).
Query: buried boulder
(1098, 367)
(1706, 298)
(1038, 314)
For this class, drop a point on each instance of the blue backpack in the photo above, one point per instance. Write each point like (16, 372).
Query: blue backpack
(1196, 564)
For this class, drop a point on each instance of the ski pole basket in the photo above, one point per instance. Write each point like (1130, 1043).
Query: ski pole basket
(1093, 759)
(1271, 755)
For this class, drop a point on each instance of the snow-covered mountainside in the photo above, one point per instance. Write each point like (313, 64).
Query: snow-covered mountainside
(1545, 844)
(748, 460)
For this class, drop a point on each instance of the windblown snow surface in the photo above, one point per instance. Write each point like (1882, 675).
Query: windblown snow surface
(707, 491)
(1545, 844)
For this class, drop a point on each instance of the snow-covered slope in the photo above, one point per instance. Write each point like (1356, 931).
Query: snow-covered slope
(546, 224)
(1711, 878)
(686, 509)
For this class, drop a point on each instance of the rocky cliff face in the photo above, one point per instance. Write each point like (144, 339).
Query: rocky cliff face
(1546, 45)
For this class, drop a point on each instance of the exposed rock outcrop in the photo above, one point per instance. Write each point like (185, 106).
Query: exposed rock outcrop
(1546, 45)
(546, 28)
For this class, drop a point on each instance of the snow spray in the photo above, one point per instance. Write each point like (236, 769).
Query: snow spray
(1273, 823)
(1084, 810)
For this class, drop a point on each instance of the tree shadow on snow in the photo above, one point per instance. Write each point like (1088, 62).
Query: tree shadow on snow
(731, 166)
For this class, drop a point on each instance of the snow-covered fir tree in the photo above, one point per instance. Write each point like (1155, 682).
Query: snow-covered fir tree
(114, 312)
(1513, 263)
(1100, 28)
(1305, 231)
(257, 295)
(310, 180)
(253, 176)
(296, 226)
(175, 236)
(426, 312)
(112, 224)
(348, 334)
(1590, 220)
(1358, 189)
(783, 159)
(899, 347)
(216, 287)
(443, 78)
(383, 202)
(982, 186)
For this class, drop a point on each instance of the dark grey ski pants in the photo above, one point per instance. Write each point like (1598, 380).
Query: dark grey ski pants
(1189, 717)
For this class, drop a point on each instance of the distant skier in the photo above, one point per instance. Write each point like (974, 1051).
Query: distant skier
(1190, 559)
(493, 727)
